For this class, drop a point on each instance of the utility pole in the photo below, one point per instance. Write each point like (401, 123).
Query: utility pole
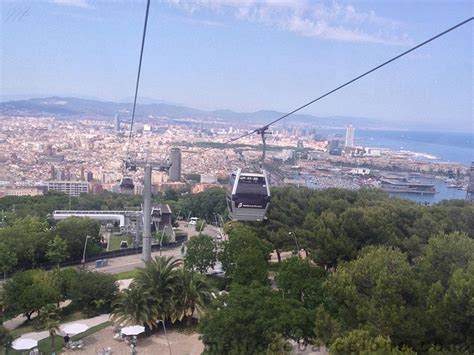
(297, 244)
(148, 168)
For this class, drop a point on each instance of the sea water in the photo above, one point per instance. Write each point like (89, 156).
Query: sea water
(453, 147)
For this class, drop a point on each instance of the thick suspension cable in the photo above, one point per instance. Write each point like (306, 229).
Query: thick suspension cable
(138, 76)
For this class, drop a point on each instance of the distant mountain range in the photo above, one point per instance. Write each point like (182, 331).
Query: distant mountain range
(70, 107)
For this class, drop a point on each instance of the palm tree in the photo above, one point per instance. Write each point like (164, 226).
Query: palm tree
(49, 318)
(134, 306)
(160, 280)
(194, 294)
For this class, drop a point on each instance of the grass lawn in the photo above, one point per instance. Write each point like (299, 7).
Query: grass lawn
(126, 274)
(44, 345)
(114, 242)
(68, 315)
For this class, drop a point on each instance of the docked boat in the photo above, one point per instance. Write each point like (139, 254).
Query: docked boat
(404, 185)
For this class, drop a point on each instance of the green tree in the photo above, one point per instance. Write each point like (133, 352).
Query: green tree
(74, 231)
(93, 292)
(444, 254)
(8, 260)
(160, 279)
(241, 240)
(49, 320)
(250, 266)
(29, 291)
(327, 328)
(246, 321)
(280, 239)
(328, 242)
(361, 342)
(171, 195)
(302, 281)
(192, 294)
(207, 203)
(63, 279)
(379, 290)
(450, 310)
(134, 306)
(6, 338)
(278, 346)
(57, 250)
(201, 253)
(27, 238)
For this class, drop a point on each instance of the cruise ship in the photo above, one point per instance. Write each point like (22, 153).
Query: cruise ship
(405, 185)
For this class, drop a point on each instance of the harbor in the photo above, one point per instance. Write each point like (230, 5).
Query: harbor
(419, 188)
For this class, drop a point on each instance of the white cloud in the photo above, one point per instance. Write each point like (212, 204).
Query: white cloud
(83, 4)
(331, 21)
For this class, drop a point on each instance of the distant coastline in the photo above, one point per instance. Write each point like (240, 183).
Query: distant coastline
(452, 147)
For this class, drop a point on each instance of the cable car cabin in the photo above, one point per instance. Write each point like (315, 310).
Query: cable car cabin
(248, 196)
(126, 185)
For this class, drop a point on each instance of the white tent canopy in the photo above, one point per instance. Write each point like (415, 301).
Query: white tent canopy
(133, 330)
(74, 328)
(24, 344)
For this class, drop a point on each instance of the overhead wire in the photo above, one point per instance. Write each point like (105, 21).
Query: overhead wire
(138, 77)
(265, 127)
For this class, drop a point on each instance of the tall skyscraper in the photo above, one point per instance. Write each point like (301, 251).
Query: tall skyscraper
(350, 136)
(470, 186)
(175, 160)
(117, 124)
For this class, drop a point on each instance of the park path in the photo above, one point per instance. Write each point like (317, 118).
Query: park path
(90, 322)
(17, 321)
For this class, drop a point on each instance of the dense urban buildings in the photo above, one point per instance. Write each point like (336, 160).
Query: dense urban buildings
(87, 155)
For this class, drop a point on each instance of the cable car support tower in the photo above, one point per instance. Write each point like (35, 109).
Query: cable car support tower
(148, 167)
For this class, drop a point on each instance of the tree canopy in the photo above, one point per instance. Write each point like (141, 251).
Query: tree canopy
(201, 253)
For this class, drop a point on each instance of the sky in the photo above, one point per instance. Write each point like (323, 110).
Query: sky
(247, 55)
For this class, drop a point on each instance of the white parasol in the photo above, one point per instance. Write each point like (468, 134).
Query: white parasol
(133, 330)
(24, 344)
(74, 328)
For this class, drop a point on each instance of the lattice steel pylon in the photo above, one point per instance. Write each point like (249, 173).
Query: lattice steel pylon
(470, 186)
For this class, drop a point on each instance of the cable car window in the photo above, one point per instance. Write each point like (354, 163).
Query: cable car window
(254, 185)
(252, 179)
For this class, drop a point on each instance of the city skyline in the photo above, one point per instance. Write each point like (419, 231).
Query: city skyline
(215, 55)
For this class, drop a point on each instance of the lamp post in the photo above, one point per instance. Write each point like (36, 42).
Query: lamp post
(162, 235)
(84, 252)
(296, 242)
(166, 335)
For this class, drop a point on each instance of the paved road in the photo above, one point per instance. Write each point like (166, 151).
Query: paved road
(130, 262)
